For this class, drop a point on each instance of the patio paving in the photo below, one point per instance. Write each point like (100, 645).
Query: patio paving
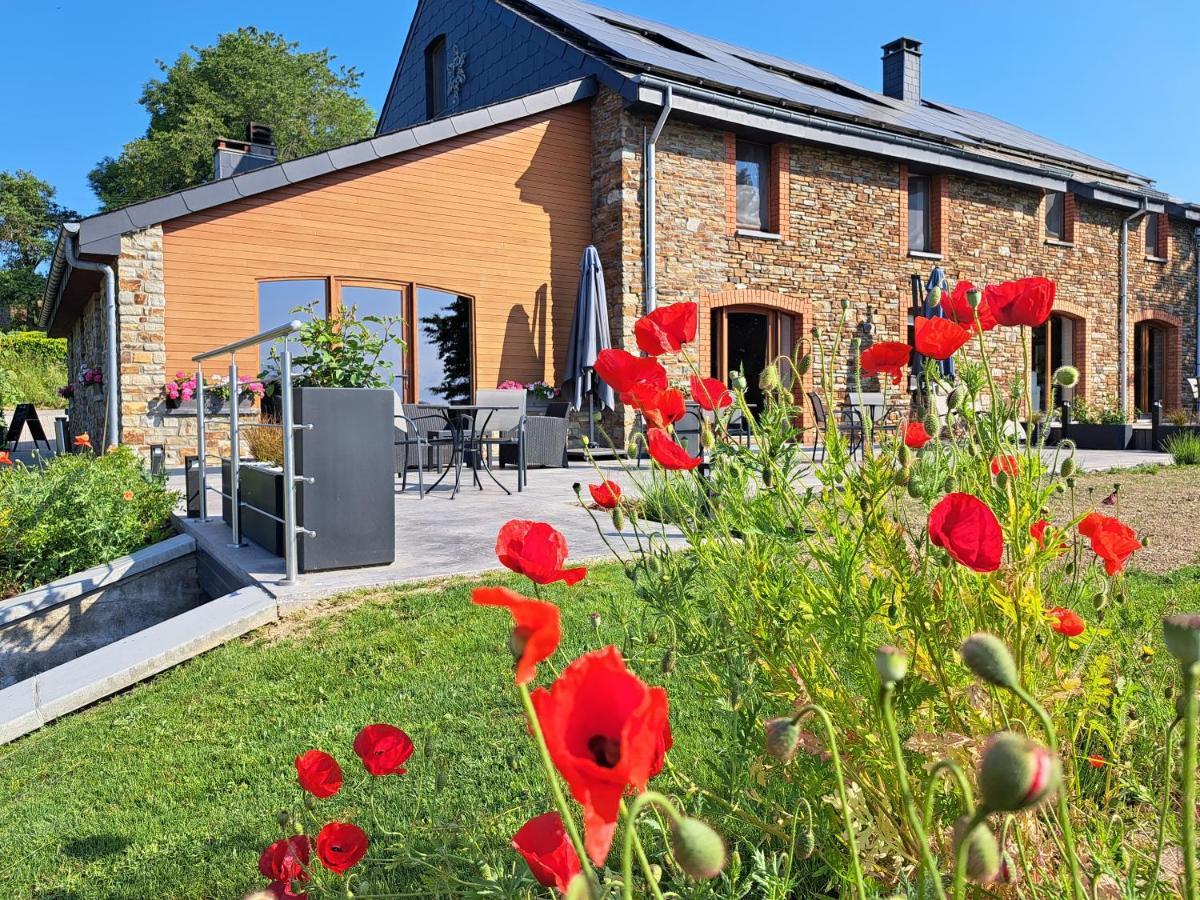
(438, 536)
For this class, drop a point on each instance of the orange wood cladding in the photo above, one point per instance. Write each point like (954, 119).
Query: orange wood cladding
(501, 215)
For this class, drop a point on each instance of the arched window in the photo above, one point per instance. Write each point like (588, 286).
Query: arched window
(746, 338)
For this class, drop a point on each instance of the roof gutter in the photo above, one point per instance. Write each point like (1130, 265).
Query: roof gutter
(1123, 321)
(60, 273)
(649, 202)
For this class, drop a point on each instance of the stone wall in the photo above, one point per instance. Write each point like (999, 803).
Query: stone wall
(85, 350)
(841, 236)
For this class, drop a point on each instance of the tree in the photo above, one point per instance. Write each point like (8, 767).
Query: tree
(212, 92)
(29, 218)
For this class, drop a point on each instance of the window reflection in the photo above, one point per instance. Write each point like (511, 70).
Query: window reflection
(444, 347)
(381, 301)
(278, 302)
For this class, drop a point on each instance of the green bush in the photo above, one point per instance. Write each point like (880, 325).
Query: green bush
(32, 369)
(74, 512)
(1097, 414)
(1184, 447)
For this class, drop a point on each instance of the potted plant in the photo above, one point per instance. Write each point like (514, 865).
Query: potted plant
(538, 394)
(179, 394)
(1096, 427)
(341, 390)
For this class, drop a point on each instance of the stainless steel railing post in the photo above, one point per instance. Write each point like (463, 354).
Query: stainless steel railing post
(201, 443)
(290, 562)
(235, 456)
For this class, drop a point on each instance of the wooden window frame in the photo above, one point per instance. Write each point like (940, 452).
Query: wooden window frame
(720, 351)
(411, 337)
(435, 88)
(1162, 236)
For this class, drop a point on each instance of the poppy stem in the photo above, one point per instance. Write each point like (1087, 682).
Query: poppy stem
(1188, 787)
(634, 844)
(560, 800)
(1064, 814)
(928, 863)
(843, 797)
(960, 778)
(1162, 811)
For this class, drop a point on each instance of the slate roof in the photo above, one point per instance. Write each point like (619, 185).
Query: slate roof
(638, 44)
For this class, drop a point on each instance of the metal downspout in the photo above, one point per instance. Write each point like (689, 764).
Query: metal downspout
(1123, 320)
(649, 226)
(112, 410)
(1196, 239)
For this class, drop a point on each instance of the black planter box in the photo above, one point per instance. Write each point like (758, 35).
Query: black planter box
(1100, 437)
(261, 486)
(350, 503)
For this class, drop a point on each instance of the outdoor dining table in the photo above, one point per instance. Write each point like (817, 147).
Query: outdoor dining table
(462, 422)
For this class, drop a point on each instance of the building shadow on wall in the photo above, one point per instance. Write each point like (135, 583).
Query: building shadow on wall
(558, 179)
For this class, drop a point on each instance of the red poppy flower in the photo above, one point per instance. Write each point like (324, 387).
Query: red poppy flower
(544, 844)
(938, 338)
(1096, 761)
(958, 308)
(383, 749)
(710, 393)
(537, 551)
(1112, 540)
(667, 453)
(537, 628)
(286, 860)
(659, 408)
(622, 371)
(1065, 621)
(319, 773)
(1028, 301)
(5, 459)
(341, 845)
(666, 329)
(915, 436)
(607, 494)
(1007, 464)
(605, 730)
(885, 358)
(83, 441)
(1038, 531)
(282, 890)
(966, 528)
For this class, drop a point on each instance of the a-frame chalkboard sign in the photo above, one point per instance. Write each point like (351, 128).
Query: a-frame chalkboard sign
(24, 416)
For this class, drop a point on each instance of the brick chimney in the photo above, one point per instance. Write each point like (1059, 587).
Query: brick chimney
(902, 70)
(233, 157)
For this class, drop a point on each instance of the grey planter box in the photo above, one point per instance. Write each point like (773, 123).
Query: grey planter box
(211, 408)
(1100, 437)
(351, 502)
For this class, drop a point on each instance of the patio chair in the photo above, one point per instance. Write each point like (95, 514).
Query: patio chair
(849, 424)
(1193, 388)
(687, 432)
(503, 427)
(884, 419)
(418, 433)
(545, 439)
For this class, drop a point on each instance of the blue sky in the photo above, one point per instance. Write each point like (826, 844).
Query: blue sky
(1116, 79)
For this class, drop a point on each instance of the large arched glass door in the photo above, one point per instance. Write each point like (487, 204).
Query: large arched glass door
(1053, 346)
(1149, 365)
(745, 339)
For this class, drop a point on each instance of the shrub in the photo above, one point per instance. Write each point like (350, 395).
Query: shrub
(1086, 413)
(34, 368)
(1184, 447)
(76, 511)
(265, 441)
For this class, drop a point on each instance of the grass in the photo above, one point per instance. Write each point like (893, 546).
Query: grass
(171, 789)
(1184, 448)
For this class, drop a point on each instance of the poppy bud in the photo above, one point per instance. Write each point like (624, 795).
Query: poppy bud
(1068, 467)
(890, 664)
(1071, 483)
(1146, 540)
(618, 518)
(806, 843)
(737, 381)
(284, 818)
(1066, 376)
(816, 333)
(769, 379)
(698, 849)
(935, 296)
(441, 779)
(1182, 634)
(955, 398)
(973, 298)
(905, 455)
(914, 489)
(707, 441)
(1001, 479)
(594, 618)
(986, 656)
(933, 425)
(983, 855)
(950, 484)
(845, 304)
(902, 476)
(782, 738)
(668, 662)
(583, 440)
(577, 488)
(1016, 773)
(805, 364)
(580, 888)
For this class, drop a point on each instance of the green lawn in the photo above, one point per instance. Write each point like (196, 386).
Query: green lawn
(171, 789)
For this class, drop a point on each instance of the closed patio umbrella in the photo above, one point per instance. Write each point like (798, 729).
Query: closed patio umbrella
(937, 278)
(589, 335)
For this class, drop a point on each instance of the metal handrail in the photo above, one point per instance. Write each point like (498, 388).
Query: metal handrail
(290, 527)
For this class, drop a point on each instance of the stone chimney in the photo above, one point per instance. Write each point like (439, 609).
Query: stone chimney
(233, 157)
(902, 70)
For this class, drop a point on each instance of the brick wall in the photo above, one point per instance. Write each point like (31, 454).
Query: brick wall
(842, 235)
